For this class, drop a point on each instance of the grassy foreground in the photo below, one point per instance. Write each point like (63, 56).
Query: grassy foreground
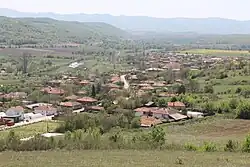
(122, 158)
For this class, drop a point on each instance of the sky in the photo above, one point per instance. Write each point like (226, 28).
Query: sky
(231, 9)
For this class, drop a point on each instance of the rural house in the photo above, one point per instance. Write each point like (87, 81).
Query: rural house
(177, 105)
(71, 105)
(45, 110)
(15, 113)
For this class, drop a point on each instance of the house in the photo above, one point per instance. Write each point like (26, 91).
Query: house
(112, 86)
(147, 88)
(84, 83)
(159, 84)
(176, 115)
(152, 111)
(87, 100)
(177, 105)
(32, 106)
(95, 109)
(15, 113)
(166, 94)
(2, 114)
(54, 83)
(72, 98)
(81, 92)
(191, 114)
(150, 104)
(45, 110)
(71, 105)
(16, 95)
(160, 113)
(147, 121)
(54, 91)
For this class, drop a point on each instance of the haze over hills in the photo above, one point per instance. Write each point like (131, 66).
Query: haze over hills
(45, 30)
(144, 23)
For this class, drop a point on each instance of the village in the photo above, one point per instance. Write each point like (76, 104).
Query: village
(153, 81)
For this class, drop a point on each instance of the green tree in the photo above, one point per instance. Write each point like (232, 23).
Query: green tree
(208, 89)
(93, 91)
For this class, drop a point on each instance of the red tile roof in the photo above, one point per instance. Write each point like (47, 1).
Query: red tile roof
(155, 110)
(115, 79)
(149, 121)
(96, 108)
(87, 100)
(55, 91)
(72, 97)
(84, 82)
(69, 104)
(176, 104)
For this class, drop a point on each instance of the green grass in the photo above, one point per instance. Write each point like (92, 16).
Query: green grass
(212, 129)
(123, 158)
(31, 130)
(216, 52)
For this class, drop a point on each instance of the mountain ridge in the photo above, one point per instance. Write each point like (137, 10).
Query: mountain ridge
(20, 31)
(145, 23)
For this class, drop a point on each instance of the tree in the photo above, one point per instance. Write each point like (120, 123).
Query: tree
(193, 86)
(25, 62)
(93, 91)
(208, 89)
(181, 89)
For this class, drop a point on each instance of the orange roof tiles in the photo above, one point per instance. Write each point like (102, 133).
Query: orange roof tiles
(87, 100)
(176, 104)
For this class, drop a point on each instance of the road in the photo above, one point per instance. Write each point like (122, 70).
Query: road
(23, 123)
(123, 79)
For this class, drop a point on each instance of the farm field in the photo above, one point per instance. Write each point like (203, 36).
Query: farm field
(215, 52)
(214, 129)
(31, 130)
(122, 158)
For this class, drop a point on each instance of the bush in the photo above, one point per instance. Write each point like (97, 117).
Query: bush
(246, 144)
(230, 146)
(209, 147)
(135, 123)
(243, 111)
(190, 147)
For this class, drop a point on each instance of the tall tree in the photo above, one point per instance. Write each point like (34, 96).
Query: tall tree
(93, 91)
(25, 62)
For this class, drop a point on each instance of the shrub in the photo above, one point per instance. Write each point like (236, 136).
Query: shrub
(246, 144)
(230, 146)
(209, 147)
(243, 111)
(190, 147)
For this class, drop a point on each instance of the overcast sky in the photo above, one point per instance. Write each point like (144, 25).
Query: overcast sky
(156, 8)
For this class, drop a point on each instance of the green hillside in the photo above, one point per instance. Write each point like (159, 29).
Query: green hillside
(44, 30)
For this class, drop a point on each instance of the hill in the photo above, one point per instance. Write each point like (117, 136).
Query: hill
(46, 30)
(143, 23)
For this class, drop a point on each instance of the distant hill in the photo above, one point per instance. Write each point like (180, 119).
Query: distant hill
(46, 30)
(141, 23)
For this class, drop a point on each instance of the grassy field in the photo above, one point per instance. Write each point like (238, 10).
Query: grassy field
(31, 130)
(216, 52)
(123, 158)
(214, 129)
